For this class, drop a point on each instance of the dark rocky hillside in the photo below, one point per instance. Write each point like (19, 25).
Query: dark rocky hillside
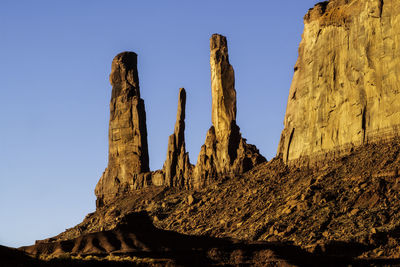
(347, 209)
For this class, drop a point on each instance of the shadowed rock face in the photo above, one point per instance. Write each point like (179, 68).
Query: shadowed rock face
(136, 239)
(128, 159)
(346, 85)
(225, 152)
(177, 168)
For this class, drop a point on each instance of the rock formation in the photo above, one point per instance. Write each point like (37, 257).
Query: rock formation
(346, 85)
(177, 168)
(344, 95)
(128, 159)
(225, 152)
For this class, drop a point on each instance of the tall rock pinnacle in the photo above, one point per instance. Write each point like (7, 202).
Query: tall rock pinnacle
(346, 87)
(177, 166)
(128, 157)
(223, 91)
(225, 152)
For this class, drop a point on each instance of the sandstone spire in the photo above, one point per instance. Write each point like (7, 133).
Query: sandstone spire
(223, 112)
(128, 157)
(225, 152)
(346, 88)
(177, 166)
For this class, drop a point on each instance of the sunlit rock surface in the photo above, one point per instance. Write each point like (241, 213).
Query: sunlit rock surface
(128, 158)
(177, 167)
(225, 152)
(345, 89)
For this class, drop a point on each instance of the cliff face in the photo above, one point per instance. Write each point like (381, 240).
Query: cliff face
(346, 84)
(128, 158)
(225, 152)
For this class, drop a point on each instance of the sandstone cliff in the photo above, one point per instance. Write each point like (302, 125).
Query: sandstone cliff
(128, 159)
(225, 152)
(177, 167)
(346, 85)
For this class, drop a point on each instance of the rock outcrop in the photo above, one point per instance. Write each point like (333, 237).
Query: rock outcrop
(177, 167)
(225, 152)
(128, 159)
(346, 85)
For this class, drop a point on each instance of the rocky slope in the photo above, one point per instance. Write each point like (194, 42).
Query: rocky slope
(345, 89)
(347, 211)
(136, 239)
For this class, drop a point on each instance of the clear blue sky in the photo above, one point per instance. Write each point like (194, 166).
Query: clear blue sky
(55, 58)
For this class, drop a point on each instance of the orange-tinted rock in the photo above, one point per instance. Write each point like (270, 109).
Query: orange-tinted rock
(177, 167)
(225, 152)
(346, 86)
(128, 159)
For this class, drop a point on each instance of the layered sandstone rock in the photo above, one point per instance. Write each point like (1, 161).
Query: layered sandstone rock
(177, 167)
(128, 159)
(346, 84)
(225, 152)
